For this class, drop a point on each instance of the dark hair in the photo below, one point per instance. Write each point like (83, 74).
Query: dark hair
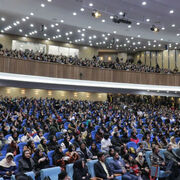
(100, 154)
(62, 175)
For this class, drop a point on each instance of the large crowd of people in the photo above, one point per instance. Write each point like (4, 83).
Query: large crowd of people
(80, 131)
(117, 64)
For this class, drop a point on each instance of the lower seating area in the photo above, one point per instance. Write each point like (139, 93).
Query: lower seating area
(58, 133)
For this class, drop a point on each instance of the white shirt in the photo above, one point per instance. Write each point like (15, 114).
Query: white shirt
(105, 144)
(104, 167)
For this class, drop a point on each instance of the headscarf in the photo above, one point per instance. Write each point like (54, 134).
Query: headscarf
(140, 161)
(4, 162)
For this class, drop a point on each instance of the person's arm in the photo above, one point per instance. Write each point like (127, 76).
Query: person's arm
(21, 168)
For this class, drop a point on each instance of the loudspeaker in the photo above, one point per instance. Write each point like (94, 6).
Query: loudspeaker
(1, 46)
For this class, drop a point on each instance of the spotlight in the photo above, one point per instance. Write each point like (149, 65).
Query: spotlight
(96, 14)
(154, 28)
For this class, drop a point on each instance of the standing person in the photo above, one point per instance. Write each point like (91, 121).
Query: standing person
(102, 169)
(80, 170)
(7, 166)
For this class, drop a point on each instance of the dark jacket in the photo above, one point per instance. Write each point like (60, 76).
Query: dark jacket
(80, 173)
(171, 156)
(116, 141)
(26, 165)
(99, 170)
(116, 166)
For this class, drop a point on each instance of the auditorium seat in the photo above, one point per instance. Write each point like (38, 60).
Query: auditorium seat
(51, 172)
(50, 154)
(69, 170)
(131, 144)
(90, 165)
(17, 158)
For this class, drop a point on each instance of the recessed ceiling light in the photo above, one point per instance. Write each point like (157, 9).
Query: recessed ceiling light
(121, 13)
(32, 14)
(83, 35)
(31, 25)
(162, 39)
(159, 45)
(49, 0)
(26, 35)
(147, 20)
(42, 5)
(62, 21)
(57, 24)
(111, 17)
(108, 34)
(138, 36)
(83, 30)
(173, 25)
(52, 25)
(2, 31)
(171, 11)
(129, 26)
(94, 36)
(132, 38)
(70, 32)
(23, 19)
(27, 17)
(78, 30)
(90, 4)
(103, 20)
(58, 30)
(144, 3)
(3, 19)
(163, 28)
(82, 9)
(15, 24)
(138, 23)
(106, 38)
(178, 34)
(74, 13)
(90, 37)
(20, 30)
(89, 27)
(45, 35)
(114, 32)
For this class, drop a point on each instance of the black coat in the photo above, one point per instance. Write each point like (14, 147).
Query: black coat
(100, 172)
(26, 165)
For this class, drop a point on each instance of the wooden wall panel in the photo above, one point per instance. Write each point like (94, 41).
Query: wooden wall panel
(29, 67)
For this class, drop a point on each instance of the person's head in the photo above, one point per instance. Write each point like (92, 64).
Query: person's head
(43, 141)
(39, 152)
(59, 149)
(9, 157)
(31, 144)
(67, 139)
(26, 154)
(1, 135)
(172, 140)
(155, 149)
(15, 134)
(40, 133)
(140, 155)
(106, 136)
(101, 157)
(141, 145)
(116, 156)
(63, 176)
(53, 139)
(169, 147)
(93, 146)
(111, 152)
(83, 146)
(116, 134)
(71, 148)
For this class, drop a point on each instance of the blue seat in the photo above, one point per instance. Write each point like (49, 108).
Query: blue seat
(21, 146)
(31, 174)
(60, 141)
(17, 158)
(36, 144)
(177, 139)
(70, 170)
(7, 136)
(58, 135)
(50, 154)
(108, 160)
(140, 136)
(4, 150)
(131, 144)
(2, 157)
(66, 124)
(51, 172)
(90, 165)
(93, 134)
(46, 135)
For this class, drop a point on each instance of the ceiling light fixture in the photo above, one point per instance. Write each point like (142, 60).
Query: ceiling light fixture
(171, 11)
(154, 28)
(42, 5)
(3, 19)
(82, 9)
(144, 3)
(148, 20)
(96, 14)
(138, 23)
(74, 13)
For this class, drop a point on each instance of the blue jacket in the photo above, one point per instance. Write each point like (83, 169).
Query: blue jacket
(115, 166)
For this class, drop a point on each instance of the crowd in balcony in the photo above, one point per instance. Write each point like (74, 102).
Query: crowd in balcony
(118, 64)
(36, 134)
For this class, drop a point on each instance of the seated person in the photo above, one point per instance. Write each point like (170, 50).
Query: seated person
(26, 164)
(134, 138)
(13, 137)
(157, 159)
(117, 166)
(13, 148)
(173, 142)
(66, 143)
(80, 170)
(143, 166)
(72, 154)
(105, 143)
(140, 148)
(30, 146)
(84, 152)
(26, 137)
(58, 156)
(43, 146)
(101, 168)
(94, 150)
(116, 141)
(39, 136)
(7, 166)
(41, 160)
(3, 141)
(173, 161)
(52, 143)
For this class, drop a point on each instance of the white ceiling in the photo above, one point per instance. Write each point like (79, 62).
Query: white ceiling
(53, 12)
